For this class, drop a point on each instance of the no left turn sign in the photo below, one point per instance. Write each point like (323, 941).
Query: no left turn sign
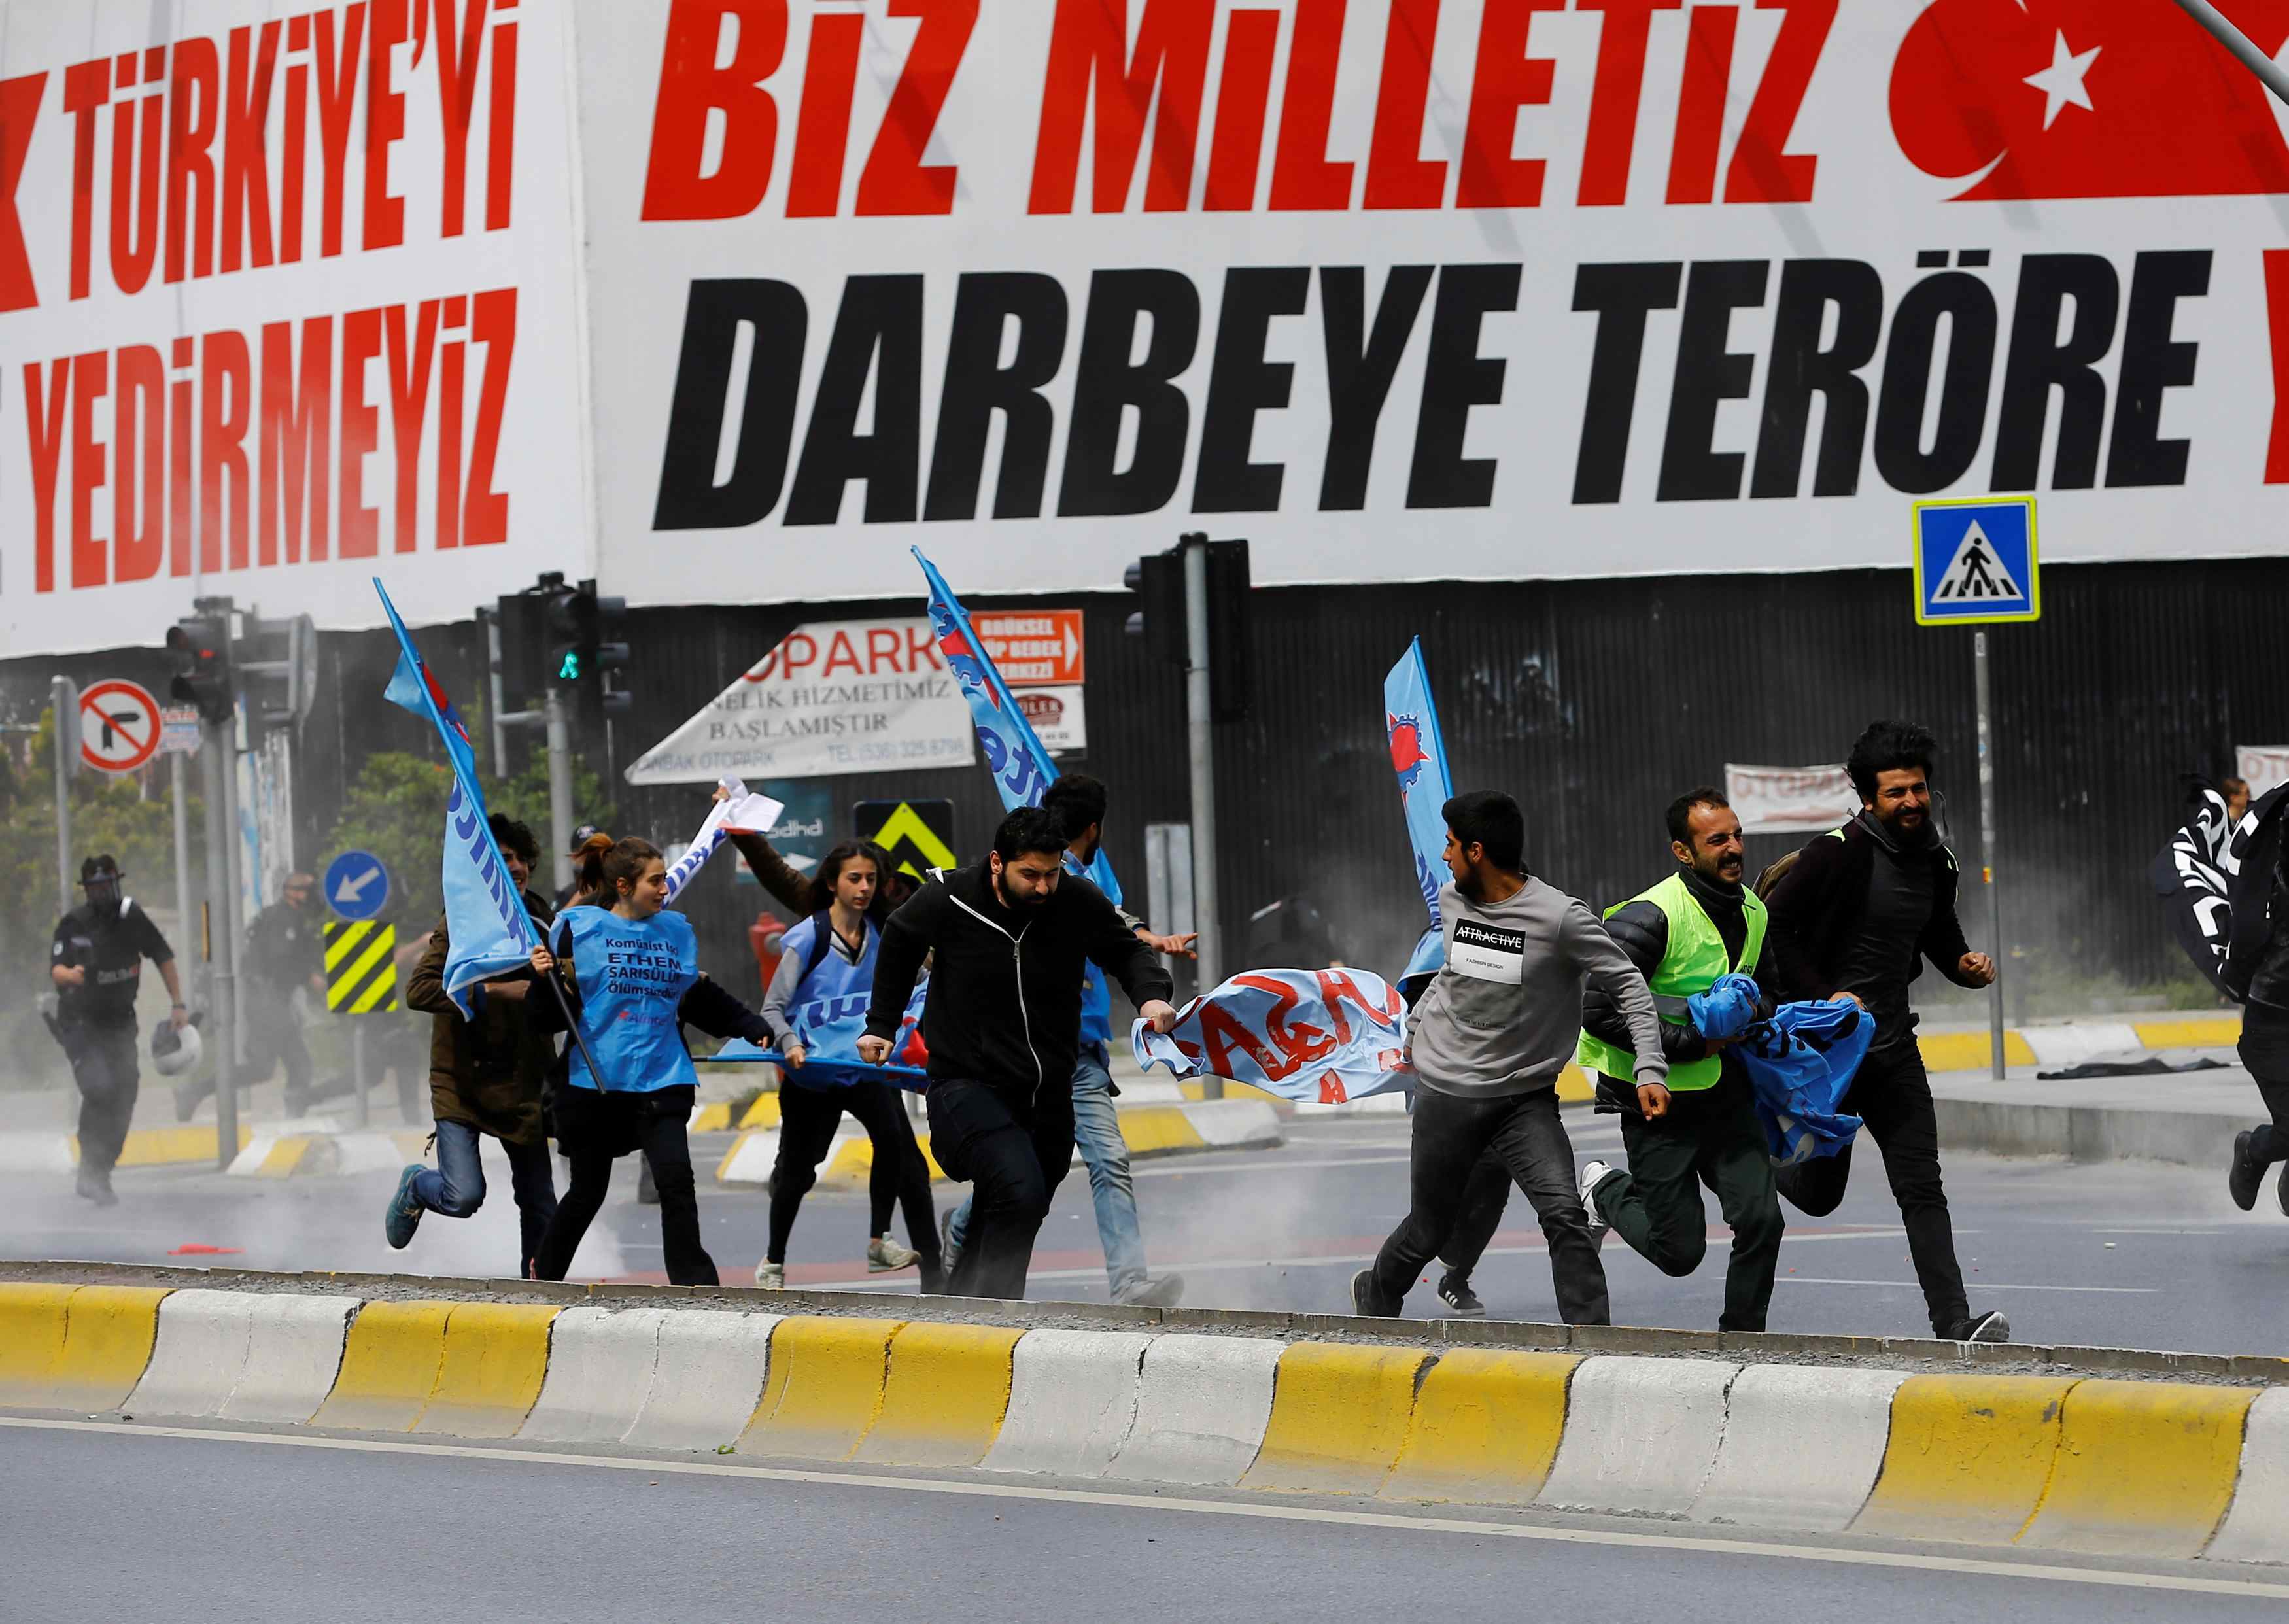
(118, 726)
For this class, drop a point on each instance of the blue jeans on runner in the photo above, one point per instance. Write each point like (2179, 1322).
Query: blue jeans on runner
(456, 1187)
(1097, 1131)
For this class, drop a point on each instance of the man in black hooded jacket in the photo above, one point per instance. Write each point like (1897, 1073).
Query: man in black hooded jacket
(1002, 1025)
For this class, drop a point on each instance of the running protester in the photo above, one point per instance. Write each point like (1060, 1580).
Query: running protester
(1013, 936)
(827, 968)
(1698, 1125)
(95, 965)
(1489, 1039)
(486, 1076)
(1853, 916)
(629, 973)
(1080, 801)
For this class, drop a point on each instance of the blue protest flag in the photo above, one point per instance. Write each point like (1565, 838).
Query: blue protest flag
(485, 919)
(1418, 755)
(1021, 768)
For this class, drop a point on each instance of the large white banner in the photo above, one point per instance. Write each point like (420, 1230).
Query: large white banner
(287, 300)
(1405, 289)
(1789, 800)
(845, 696)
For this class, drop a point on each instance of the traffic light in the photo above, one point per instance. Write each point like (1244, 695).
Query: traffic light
(523, 621)
(605, 649)
(201, 644)
(276, 662)
(567, 615)
(1159, 577)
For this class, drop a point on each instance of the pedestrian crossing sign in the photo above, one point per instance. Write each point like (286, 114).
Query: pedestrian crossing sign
(1975, 562)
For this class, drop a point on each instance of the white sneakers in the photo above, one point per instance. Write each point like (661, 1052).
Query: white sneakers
(772, 1276)
(884, 1255)
(1591, 1177)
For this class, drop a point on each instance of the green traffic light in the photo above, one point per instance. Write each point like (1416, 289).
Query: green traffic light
(569, 670)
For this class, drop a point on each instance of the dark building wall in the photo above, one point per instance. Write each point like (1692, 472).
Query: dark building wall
(1592, 702)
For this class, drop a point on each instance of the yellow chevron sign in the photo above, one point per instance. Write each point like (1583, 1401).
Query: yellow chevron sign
(361, 967)
(903, 831)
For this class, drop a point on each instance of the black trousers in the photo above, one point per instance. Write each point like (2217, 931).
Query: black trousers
(1892, 1096)
(1712, 1137)
(1014, 1144)
(808, 1118)
(596, 1129)
(2265, 1050)
(103, 1065)
(1486, 1197)
(1523, 1134)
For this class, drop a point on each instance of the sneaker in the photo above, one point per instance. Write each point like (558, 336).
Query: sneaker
(93, 1184)
(1165, 1292)
(1366, 1301)
(1990, 1327)
(949, 1249)
(2244, 1177)
(771, 1277)
(885, 1256)
(1455, 1290)
(404, 1214)
(1592, 1175)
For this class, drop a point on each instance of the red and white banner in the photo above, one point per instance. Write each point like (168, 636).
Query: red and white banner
(1397, 289)
(286, 300)
(1789, 800)
(1407, 289)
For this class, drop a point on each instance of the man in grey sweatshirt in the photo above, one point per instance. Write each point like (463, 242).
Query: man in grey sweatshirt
(1489, 1039)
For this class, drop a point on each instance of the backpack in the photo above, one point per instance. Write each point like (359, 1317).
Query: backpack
(1778, 870)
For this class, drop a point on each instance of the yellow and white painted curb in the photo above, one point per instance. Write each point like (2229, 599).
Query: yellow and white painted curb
(2158, 1469)
(22, 1152)
(1189, 1126)
(2070, 1042)
(289, 1152)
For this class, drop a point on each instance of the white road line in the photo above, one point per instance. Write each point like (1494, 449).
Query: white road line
(1985, 1568)
(1994, 1285)
(1320, 1260)
(1175, 1166)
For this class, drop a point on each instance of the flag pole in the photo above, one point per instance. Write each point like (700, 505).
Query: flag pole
(2268, 71)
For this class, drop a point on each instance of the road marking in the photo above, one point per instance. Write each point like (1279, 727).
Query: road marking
(1178, 1166)
(1984, 1567)
(1324, 1259)
(1996, 1285)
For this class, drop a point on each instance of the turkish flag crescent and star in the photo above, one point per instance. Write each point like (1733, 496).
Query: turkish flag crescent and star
(2087, 98)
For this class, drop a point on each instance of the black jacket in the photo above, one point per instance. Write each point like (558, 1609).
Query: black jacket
(1818, 904)
(1005, 989)
(1641, 930)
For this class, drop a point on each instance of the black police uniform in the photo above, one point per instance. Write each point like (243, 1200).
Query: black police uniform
(284, 949)
(96, 1019)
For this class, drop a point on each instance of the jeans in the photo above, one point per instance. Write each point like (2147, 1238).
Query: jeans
(808, 1118)
(1096, 1131)
(1014, 1144)
(1451, 1137)
(1709, 1136)
(597, 1128)
(456, 1187)
(1892, 1097)
(103, 1066)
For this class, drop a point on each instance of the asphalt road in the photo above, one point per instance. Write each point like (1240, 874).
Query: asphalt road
(2140, 1254)
(107, 1526)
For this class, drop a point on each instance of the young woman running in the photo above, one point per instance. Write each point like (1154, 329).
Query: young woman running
(825, 977)
(630, 973)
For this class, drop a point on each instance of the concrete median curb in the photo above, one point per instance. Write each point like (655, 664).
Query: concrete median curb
(2080, 1464)
(1186, 1128)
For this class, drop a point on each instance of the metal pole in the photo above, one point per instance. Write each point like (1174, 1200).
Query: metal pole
(233, 874)
(1206, 918)
(560, 787)
(2233, 39)
(221, 945)
(493, 710)
(357, 1065)
(179, 790)
(1987, 846)
(63, 696)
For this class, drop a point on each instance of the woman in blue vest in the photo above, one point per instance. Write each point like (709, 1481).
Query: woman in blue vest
(630, 976)
(816, 1008)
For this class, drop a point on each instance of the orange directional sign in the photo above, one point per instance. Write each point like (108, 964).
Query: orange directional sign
(1033, 647)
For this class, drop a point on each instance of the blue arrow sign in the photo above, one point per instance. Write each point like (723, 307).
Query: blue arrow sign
(1975, 562)
(357, 885)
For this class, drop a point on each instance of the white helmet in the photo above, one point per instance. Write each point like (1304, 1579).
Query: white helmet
(172, 1052)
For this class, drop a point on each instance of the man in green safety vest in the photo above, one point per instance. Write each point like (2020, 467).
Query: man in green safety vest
(1701, 1125)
